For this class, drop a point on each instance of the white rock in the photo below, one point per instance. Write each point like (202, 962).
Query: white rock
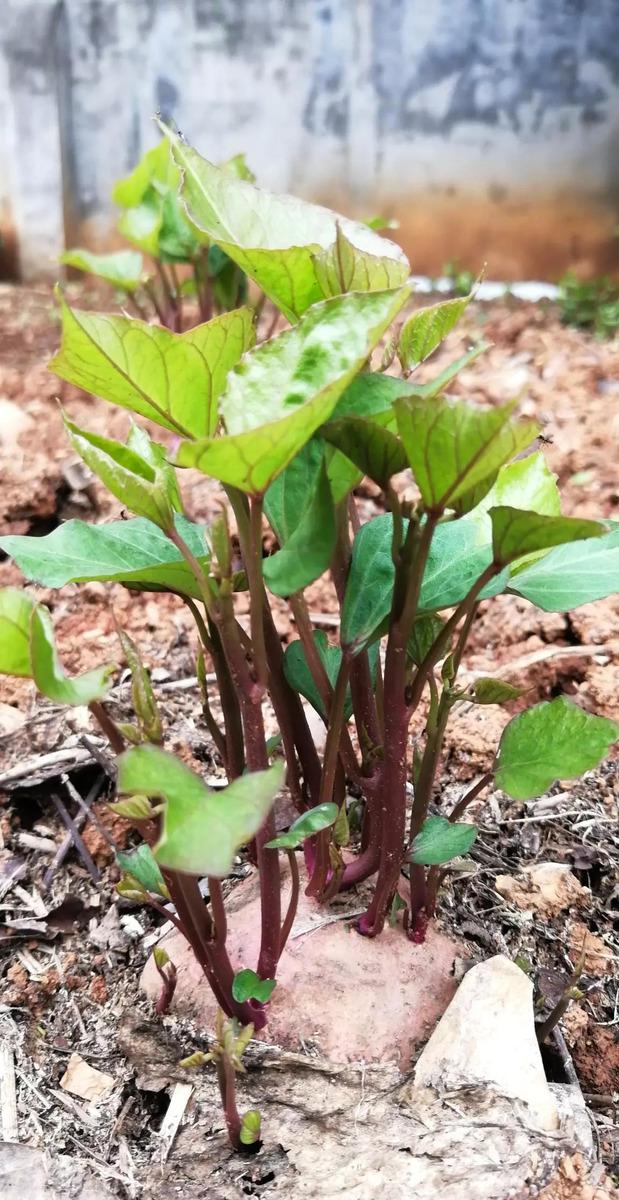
(487, 1038)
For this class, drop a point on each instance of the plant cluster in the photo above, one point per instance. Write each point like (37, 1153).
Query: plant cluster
(172, 271)
(590, 304)
(290, 427)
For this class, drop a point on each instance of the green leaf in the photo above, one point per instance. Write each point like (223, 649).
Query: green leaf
(495, 691)
(288, 386)
(27, 649)
(141, 865)
(553, 740)
(570, 575)
(308, 552)
(376, 451)
(141, 225)
(173, 379)
(425, 329)
(305, 826)
(453, 446)
(516, 532)
(456, 560)
(425, 632)
(137, 808)
(135, 552)
(527, 483)
(300, 677)
(440, 840)
(155, 164)
(285, 501)
(124, 268)
(344, 268)
(147, 490)
(246, 985)
(142, 696)
(250, 1127)
(274, 239)
(202, 829)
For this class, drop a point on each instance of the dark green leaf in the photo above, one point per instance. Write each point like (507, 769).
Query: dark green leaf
(553, 740)
(246, 985)
(308, 551)
(136, 553)
(285, 501)
(425, 632)
(516, 533)
(376, 451)
(140, 864)
(440, 840)
(309, 823)
(300, 678)
(202, 829)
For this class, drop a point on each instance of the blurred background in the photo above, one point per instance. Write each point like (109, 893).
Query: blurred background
(488, 128)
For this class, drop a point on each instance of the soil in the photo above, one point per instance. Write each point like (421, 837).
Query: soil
(71, 958)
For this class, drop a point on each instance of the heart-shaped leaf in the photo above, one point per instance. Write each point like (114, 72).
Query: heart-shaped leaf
(516, 532)
(202, 829)
(440, 840)
(495, 691)
(342, 268)
(305, 826)
(141, 865)
(246, 985)
(146, 485)
(27, 649)
(553, 740)
(135, 552)
(287, 387)
(274, 239)
(173, 379)
(377, 452)
(573, 574)
(425, 329)
(123, 269)
(453, 446)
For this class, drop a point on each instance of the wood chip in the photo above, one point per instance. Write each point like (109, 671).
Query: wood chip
(85, 1081)
(8, 1101)
(179, 1100)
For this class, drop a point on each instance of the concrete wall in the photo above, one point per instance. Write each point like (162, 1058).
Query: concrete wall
(490, 128)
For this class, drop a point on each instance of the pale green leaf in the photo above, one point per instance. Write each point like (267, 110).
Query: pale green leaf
(173, 379)
(344, 268)
(135, 552)
(376, 451)
(570, 575)
(202, 829)
(495, 691)
(141, 865)
(123, 268)
(147, 490)
(425, 329)
(287, 387)
(272, 238)
(553, 740)
(27, 649)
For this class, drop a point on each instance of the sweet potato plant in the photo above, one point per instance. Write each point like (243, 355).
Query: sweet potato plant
(290, 427)
(169, 264)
